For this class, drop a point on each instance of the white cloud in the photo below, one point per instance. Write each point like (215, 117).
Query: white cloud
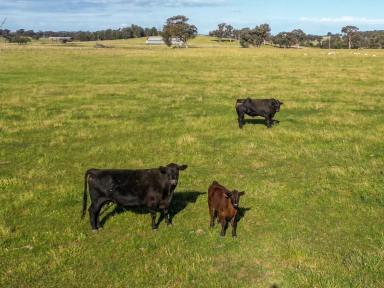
(344, 19)
(81, 3)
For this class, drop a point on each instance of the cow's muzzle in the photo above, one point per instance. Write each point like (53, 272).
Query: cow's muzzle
(173, 182)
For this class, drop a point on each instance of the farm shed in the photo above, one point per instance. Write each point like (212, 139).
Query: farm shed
(155, 40)
(158, 40)
(61, 39)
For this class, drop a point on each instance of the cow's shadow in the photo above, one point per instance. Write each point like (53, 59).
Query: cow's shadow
(259, 121)
(179, 202)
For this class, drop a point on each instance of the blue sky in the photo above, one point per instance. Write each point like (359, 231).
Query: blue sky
(313, 16)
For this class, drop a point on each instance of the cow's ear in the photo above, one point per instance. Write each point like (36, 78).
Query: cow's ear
(183, 167)
(275, 102)
(241, 193)
(228, 194)
(163, 169)
(281, 103)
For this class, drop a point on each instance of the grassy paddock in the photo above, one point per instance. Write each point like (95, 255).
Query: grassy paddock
(314, 184)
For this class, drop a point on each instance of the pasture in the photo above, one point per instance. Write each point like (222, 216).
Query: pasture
(314, 204)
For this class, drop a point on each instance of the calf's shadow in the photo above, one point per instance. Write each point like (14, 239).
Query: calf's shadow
(241, 212)
(179, 202)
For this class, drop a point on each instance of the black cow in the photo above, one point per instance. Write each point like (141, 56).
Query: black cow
(266, 108)
(147, 187)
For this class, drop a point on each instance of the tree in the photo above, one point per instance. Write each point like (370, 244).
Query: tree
(137, 31)
(228, 33)
(151, 31)
(246, 38)
(313, 40)
(223, 31)
(236, 34)
(349, 31)
(254, 37)
(264, 31)
(178, 28)
(20, 40)
(299, 36)
(284, 39)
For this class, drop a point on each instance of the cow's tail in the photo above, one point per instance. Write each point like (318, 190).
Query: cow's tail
(85, 193)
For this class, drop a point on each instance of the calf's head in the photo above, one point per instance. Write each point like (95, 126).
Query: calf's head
(276, 104)
(172, 172)
(234, 196)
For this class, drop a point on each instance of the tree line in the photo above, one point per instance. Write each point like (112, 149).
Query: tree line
(133, 31)
(178, 30)
(350, 37)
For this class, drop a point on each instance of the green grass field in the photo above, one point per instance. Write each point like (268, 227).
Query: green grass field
(314, 203)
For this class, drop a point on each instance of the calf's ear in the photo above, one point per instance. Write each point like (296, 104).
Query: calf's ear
(183, 167)
(163, 169)
(228, 194)
(241, 193)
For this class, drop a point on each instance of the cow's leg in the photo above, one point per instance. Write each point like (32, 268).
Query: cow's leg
(234, 226)
(223, 226)
(240, 119)
(269, 121)
(240, 116)
(94, 211)
(153, 216)
(167, 217)
(92, 216)
(98, 210)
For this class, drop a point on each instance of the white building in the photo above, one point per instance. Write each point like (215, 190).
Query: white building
(158, 40)
(61, 39)
(155, 40)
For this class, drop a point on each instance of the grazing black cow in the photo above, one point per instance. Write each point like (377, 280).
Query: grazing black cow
(147, 187)
(266, 108)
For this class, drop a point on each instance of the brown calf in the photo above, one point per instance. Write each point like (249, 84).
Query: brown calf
(223, 203)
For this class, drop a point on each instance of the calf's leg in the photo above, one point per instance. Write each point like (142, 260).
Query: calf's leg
(224, 224)
(234, 226)
(213, 215)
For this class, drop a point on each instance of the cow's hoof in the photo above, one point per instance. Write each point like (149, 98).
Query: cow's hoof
(234, 236)
(94, 230)
(169, 224)
(155, 228)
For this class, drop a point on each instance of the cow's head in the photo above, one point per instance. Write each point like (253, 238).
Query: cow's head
(234, 196)
(172, 172)
(276, 104)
